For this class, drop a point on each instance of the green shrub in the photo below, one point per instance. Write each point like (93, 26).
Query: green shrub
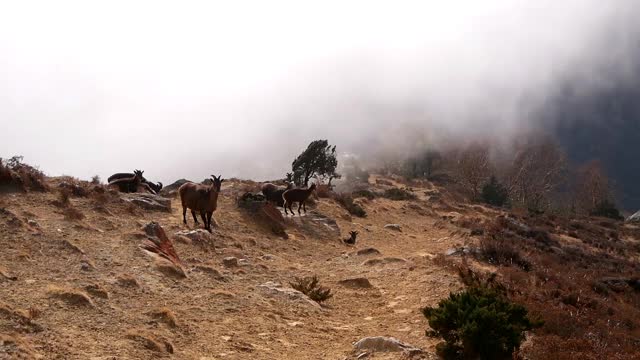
(479, 323)
(310, 286)
(607, 209)
(494, 193)
(398, 194)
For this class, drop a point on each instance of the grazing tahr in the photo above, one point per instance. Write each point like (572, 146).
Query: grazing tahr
(273, 193)
(352, 239)
(155, 187)
(297, 195)
(200, 198)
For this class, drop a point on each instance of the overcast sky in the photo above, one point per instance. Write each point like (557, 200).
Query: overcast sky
(239, 88)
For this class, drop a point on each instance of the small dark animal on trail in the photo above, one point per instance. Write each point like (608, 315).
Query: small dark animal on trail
(297, 195)
(273, 193)
(155, 187)
(352, 239)
(200, 198)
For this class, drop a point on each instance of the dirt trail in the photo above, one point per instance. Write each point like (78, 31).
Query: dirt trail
(220, 312)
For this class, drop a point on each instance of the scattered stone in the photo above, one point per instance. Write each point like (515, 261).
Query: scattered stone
(148, 201)
(383, 261)
(368, 251)
(230, 261)
(213, 272)
(268, 257)
(274, 289)
(458, 251)
(243, 262)
(356, 283)
(33, 223)
(395, 227)
(385, 344)
(86, 265)
(199, 236)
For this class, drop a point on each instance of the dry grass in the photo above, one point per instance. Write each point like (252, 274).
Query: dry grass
(16, 175)
(14, 347)
(164, 315)
(70, 296)
(582, 291)
(97, 291)
(127, 280)
(150, 341)
(72, 213)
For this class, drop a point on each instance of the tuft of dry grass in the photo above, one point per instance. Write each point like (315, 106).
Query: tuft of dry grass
(70, 296)
(72, 213)
(127, 280)
(150, 341)
(164, 315)
(310, 286)
(16, 175)
(97, 291)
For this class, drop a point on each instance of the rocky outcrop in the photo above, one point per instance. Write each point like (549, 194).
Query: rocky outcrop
(148, 201)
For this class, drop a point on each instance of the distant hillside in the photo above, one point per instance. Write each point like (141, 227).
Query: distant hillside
(605, 126)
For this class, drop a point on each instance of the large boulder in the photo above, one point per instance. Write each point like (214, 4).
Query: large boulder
(635, 218)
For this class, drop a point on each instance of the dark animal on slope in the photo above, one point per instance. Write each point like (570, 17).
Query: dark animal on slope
(273, 193)
(132, 184)
(200, 198)
(297, 195)
(352, 239)
(155, 187)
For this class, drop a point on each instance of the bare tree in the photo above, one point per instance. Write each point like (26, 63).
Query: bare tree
(592, 186)
(537, 169)
(472, 168)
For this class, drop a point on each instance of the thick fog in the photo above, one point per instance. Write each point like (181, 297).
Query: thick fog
(188, 89)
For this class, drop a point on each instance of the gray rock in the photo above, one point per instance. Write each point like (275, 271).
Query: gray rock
(148, 201)
(385, 344)
(273, 289)
(197, 236)
(395, 227)
(356, 283)
(635, 218)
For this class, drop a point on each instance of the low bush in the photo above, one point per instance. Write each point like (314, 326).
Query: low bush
(346, 201)
(502, 252)
(398, 194)
(310, 286)
(607, 209)
(16, 175)
(478, 323)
